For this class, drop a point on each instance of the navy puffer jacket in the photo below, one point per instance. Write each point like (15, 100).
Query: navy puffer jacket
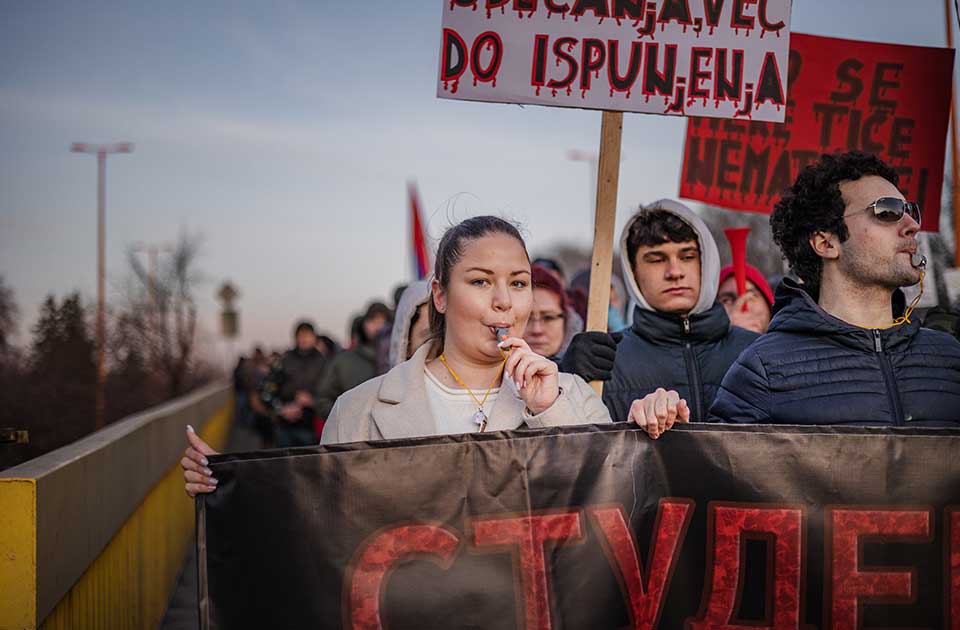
(688, 354)
(812, 368)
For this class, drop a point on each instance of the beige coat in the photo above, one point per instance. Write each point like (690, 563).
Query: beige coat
(395, 406)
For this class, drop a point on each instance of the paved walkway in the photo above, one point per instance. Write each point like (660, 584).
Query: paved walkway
(182, 610)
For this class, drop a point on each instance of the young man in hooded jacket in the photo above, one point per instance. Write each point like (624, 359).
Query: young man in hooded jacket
(843, 347)
(681, 337)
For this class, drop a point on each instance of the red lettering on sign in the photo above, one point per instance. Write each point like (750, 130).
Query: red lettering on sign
(843, 96)
(846, 585)
(731, 524)
(525, 537)
(367, 574)
(644, 589)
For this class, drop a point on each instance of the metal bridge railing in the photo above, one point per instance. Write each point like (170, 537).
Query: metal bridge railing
(93, 535)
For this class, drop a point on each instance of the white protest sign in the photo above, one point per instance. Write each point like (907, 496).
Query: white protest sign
(717, 58)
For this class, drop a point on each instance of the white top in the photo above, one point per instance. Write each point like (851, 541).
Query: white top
(454, 409)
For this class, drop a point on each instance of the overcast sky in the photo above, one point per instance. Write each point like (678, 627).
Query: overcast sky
(284, 132)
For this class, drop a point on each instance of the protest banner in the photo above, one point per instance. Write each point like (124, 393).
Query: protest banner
(724, 58)
(886, 99)
(590, 527)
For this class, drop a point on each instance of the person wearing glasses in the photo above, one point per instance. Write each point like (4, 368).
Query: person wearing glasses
(552, 323)
(843, 346)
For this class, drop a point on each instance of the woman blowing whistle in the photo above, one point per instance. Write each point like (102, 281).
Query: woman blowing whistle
(466, 377)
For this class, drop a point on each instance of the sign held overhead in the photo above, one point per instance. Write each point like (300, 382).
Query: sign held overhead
(716, 58)
(886, 99)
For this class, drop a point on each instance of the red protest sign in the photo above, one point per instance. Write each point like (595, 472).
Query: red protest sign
(843, 95)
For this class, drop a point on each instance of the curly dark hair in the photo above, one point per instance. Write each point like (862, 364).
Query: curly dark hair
(814, 204)
(656, 227)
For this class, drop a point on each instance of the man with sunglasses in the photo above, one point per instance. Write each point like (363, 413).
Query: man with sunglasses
(843, 347)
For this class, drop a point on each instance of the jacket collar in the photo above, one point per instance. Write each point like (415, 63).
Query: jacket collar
(795, 310)
(405, 410)
(669, 329)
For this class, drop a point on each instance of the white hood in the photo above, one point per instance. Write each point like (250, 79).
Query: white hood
(416, 294)
(709, 257)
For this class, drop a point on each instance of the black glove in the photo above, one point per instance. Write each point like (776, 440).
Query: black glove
(591, 354)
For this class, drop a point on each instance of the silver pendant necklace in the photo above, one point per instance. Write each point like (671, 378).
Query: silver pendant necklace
(480, 419)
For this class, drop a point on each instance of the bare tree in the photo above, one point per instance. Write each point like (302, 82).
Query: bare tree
(159, 319)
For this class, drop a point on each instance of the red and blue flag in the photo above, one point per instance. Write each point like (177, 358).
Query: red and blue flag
(421, 258)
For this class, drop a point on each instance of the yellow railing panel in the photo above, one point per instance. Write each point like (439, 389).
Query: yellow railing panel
(130, 583)
(18, 553)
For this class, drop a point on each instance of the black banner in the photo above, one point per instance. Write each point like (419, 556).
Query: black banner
(590, 527)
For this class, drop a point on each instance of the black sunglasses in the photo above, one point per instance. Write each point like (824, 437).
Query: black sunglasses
(892, 209)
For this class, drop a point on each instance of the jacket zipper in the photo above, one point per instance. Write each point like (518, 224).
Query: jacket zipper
(693, 373)
(893, 394)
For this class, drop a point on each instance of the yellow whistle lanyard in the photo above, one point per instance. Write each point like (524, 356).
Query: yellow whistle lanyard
(905, 319)
(480, 403)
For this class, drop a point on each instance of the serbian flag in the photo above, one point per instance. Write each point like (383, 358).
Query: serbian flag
(421, 259)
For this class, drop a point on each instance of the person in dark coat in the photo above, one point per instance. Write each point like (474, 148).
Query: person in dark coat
(681, 338)
(291, 388)
(355, 366)
(843, 347)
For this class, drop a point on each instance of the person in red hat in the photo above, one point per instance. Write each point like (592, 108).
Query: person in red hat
(753, 309)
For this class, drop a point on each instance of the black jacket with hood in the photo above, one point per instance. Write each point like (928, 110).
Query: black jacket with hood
(688, 354)
(812, 368)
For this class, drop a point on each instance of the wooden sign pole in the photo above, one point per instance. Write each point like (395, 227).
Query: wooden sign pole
(608, 178)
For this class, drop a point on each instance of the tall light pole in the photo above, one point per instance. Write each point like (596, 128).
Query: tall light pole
(592, 160)
(101, 151)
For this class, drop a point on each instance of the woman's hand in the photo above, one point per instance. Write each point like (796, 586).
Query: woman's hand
(535, 376)
(196, 476)
(657, 412)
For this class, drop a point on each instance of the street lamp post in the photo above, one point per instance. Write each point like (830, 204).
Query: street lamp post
(592, 160)
(101, 151)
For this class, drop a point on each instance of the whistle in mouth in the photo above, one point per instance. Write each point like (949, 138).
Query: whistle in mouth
(501, 334)
(918, 260)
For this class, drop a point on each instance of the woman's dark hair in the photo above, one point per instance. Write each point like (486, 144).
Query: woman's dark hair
(544, 278)
(449, 252)
(655, 227)
(551, 264)
(814, 204)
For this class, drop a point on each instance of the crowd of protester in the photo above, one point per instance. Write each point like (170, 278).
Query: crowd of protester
(836, 344)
